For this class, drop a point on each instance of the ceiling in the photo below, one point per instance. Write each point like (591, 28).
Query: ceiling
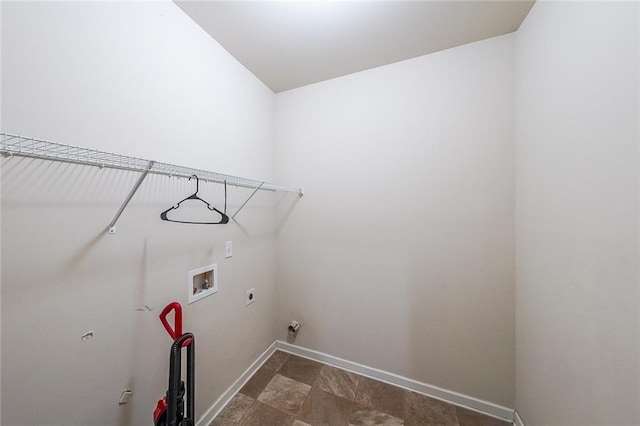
(288, 44)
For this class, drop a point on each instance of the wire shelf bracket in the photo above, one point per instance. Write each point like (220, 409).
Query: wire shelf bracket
(22, 146)
(248, 199)
(112, 224)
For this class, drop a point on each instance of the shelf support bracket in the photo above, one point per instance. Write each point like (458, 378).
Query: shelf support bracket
(112, 225)
(248, 199)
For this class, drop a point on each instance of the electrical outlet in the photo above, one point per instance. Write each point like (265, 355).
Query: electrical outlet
(251, 296)
(228, 249)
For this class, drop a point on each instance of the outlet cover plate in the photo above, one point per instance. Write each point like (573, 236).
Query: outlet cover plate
(251, 296)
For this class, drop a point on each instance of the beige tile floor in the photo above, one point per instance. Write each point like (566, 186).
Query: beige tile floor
(292, 391)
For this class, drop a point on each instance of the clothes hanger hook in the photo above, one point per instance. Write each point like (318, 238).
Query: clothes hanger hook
(197, 182)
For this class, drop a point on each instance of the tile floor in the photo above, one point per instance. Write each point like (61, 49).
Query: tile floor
(292, 391)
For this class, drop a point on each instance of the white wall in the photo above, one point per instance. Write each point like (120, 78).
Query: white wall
(400, 255)
(577, 215)
(142, 79)
(0, 214)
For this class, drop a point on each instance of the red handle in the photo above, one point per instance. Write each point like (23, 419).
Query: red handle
(176, 331)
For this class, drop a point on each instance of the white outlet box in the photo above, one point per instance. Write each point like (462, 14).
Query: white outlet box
(202, 282)
(228, 249)
(251, 296)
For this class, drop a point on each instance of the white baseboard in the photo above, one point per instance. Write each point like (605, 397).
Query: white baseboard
(445, 395)
(224, 399)
(455, 398)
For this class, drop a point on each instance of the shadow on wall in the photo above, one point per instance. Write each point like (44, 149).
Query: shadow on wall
(285, 207)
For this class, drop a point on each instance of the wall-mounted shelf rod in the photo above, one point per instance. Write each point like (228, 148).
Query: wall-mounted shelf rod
(41, 149)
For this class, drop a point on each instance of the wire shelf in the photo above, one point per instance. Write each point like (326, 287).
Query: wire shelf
(45, 150)
(41, 149)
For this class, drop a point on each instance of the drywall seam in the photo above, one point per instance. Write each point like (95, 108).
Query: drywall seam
(227, 395)
(435, 392)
